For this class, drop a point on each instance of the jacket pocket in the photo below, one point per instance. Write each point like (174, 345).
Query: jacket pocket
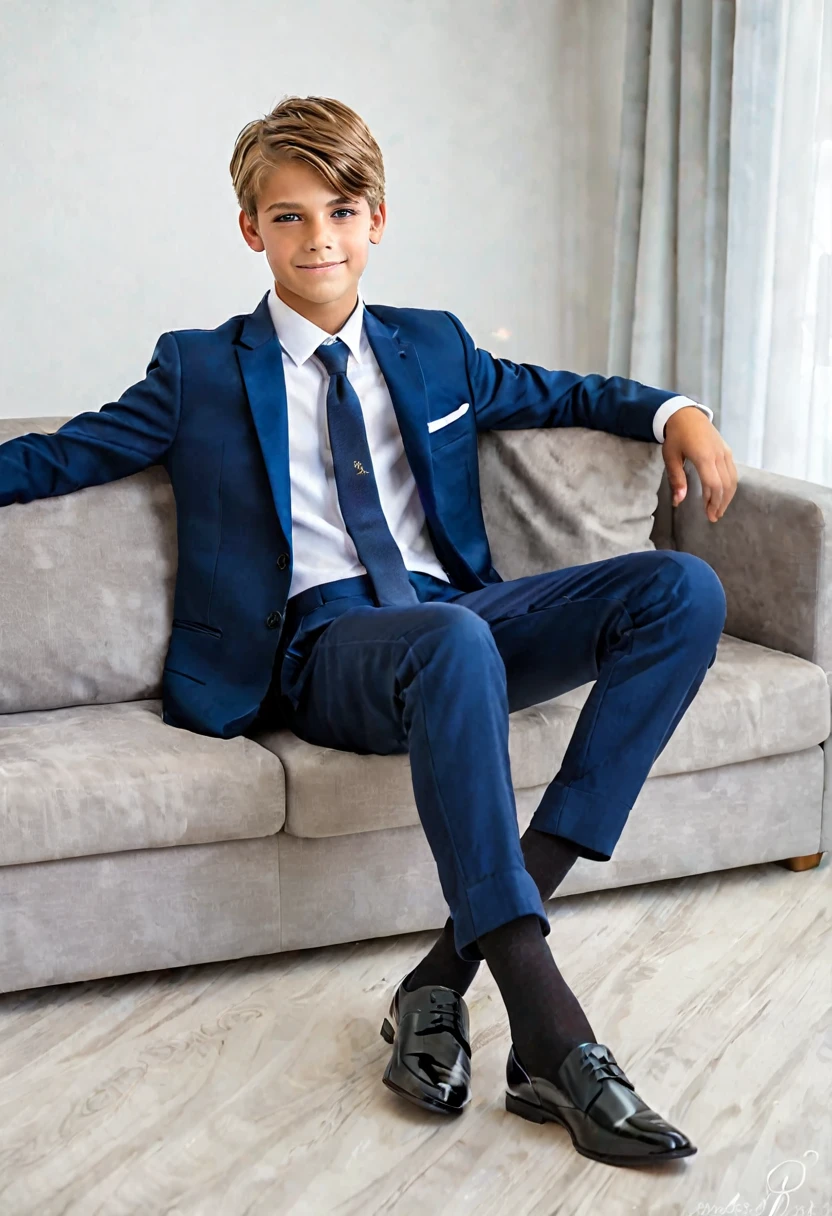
(457, 432)
(172, 671)
(197, 627)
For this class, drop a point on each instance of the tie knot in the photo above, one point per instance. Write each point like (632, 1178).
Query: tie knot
(334, 355)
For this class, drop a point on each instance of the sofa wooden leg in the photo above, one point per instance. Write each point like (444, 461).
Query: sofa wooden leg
(802, 863)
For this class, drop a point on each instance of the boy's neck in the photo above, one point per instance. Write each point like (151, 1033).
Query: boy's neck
(331, 316)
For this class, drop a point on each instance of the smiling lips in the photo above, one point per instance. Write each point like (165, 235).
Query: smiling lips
(322, 267)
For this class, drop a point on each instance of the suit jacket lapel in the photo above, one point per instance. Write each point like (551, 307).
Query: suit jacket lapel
(402, 371)
(261, 364)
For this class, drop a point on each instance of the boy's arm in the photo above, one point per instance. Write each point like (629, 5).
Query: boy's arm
(121, 438)
(516, 396)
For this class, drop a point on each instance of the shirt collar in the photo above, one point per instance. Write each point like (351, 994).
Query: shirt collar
(300, 338)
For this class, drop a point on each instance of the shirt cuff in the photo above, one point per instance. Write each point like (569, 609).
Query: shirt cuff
(670, 407)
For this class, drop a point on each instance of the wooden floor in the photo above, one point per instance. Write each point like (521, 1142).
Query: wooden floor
(255, 1086)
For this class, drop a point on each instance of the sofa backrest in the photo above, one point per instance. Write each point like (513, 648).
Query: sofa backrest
(568, 496)
(86, 594)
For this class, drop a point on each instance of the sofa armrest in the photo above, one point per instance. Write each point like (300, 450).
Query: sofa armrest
(772, 550)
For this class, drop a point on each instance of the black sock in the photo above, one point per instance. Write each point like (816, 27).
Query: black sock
(548, 859)
(545, 1016)
(442, 965)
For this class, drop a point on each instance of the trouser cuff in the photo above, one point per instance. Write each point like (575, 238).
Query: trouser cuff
(591, 821)
(492, 902)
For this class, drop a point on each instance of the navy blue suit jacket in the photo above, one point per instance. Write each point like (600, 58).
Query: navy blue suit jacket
(212, 410)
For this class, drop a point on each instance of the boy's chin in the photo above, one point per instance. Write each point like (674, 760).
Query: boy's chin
(326, 291)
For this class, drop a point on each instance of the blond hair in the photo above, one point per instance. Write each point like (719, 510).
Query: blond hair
(325, 133)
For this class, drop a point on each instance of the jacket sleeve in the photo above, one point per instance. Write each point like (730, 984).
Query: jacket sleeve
(517, 396)
(121, 438)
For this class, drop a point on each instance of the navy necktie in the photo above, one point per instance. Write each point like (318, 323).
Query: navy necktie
(355, 482)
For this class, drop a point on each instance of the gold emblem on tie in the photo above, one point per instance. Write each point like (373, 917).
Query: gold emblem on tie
(359, 468)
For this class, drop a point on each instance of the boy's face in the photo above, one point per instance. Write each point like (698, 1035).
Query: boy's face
(311, 231)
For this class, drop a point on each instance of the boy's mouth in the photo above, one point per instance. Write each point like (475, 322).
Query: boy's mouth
(320, 267)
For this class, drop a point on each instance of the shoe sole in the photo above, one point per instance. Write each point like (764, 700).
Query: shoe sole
(426, 1103)
(535, 1115)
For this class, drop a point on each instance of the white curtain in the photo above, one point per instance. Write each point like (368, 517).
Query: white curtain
(720, 284)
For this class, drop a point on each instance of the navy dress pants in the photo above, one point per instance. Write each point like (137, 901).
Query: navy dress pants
(438, 680)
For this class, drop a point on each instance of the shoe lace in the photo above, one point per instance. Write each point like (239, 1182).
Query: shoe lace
(446, 1015)
(604, 1069)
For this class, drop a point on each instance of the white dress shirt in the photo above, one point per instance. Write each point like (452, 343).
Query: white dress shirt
(323, 549)
(670, 407)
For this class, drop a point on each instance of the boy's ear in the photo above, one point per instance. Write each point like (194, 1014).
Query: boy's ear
(376, 227)
(250, 234)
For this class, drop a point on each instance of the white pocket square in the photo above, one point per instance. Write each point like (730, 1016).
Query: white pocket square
(440, 422)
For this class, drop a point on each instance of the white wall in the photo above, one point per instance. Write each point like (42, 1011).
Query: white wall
(117, 125)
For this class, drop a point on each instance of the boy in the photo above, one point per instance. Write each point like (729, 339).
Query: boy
(334, 577)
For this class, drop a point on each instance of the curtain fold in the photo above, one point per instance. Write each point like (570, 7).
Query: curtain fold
(721, 277)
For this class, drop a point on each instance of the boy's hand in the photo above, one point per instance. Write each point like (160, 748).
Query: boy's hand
(690, 433)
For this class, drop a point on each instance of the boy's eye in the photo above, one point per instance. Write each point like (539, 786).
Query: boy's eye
(289, 214)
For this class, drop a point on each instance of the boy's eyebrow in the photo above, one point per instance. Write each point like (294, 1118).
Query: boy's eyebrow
(331, 203)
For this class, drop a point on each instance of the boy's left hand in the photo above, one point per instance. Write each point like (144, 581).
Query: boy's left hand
(690, 433)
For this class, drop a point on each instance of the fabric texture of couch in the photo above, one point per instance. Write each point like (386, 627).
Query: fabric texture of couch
(130, 845)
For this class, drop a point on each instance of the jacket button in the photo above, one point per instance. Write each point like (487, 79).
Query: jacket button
(273, 620)
(283, 561)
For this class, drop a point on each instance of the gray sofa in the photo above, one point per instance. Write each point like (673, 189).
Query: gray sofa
(128, 845)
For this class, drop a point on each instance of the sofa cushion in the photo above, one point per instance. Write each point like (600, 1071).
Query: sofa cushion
(86, 597)
(108, 778)
(566, 496)
(753, 702)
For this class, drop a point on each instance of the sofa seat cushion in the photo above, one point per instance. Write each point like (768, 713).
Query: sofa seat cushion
(107, 778)
(753, 702)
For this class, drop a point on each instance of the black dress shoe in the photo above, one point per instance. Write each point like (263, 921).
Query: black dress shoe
(431, 1060)
(598, 1106)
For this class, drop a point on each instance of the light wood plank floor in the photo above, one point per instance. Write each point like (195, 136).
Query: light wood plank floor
(254, 1086)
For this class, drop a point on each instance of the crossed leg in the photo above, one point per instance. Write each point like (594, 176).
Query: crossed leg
(439, 679)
